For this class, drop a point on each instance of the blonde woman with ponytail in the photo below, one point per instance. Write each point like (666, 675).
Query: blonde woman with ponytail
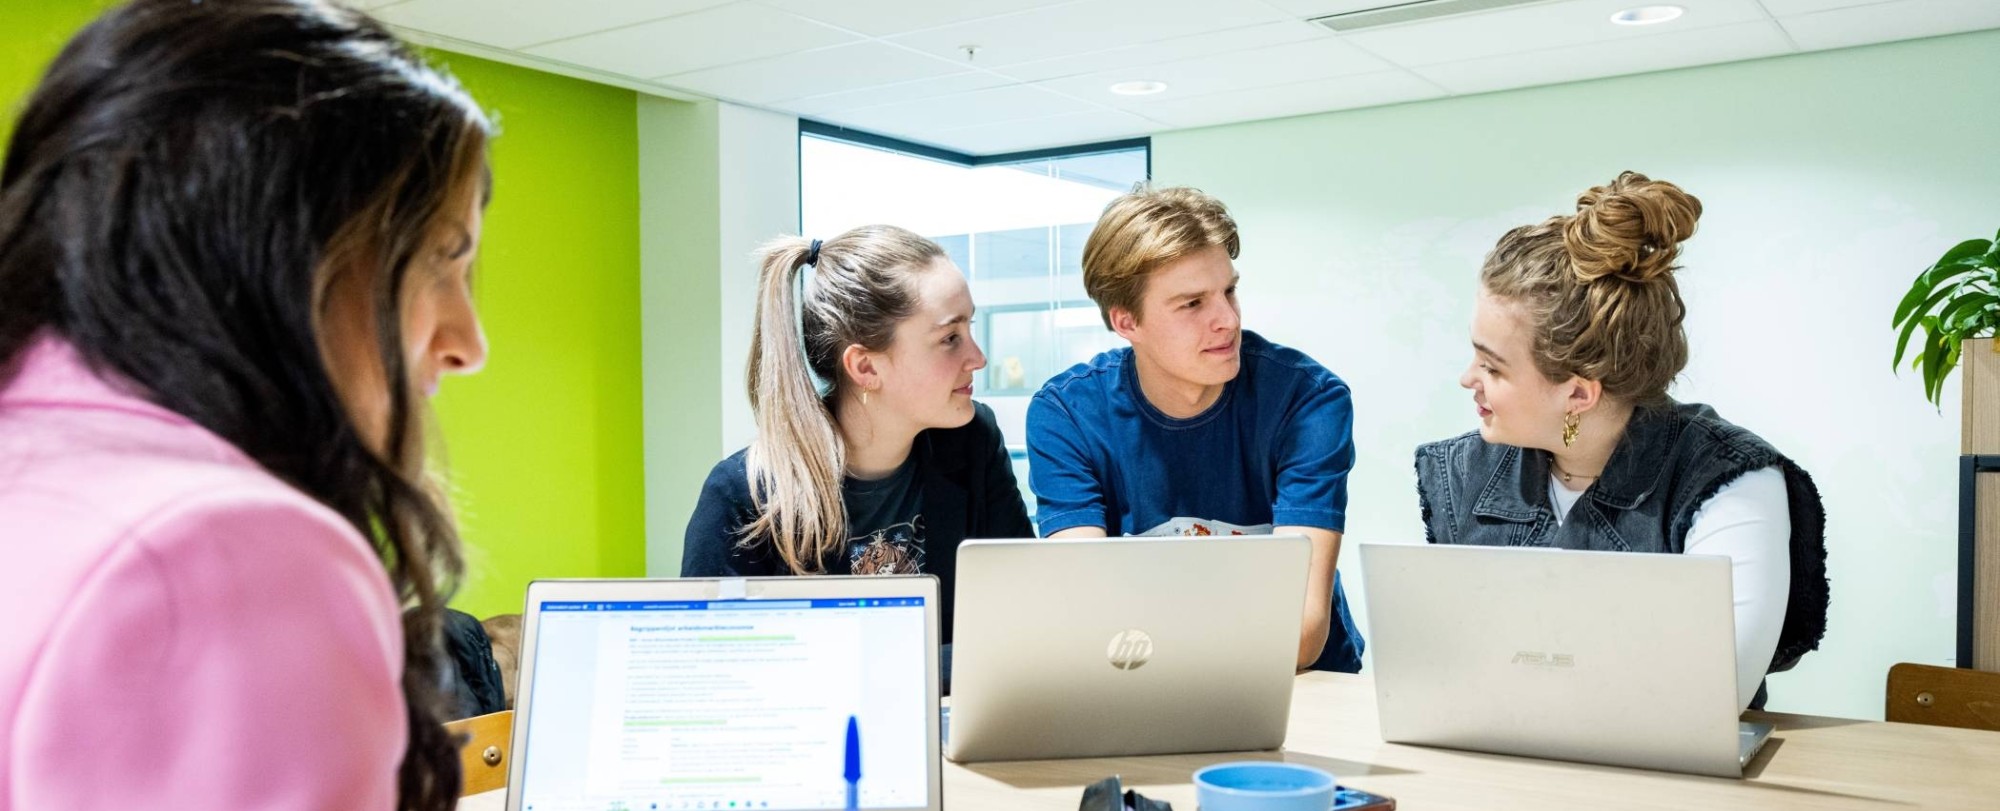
(1576, 336)
(871, 456)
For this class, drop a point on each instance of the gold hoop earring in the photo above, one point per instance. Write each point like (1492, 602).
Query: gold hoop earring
(1571, 422)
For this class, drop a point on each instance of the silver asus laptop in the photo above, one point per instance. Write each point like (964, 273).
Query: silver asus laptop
(1124, 646)
(670, 694)
(1601, 657)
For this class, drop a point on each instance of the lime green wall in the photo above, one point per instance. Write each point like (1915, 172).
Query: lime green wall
(30, 36)
(544, 446)
(1828, 180)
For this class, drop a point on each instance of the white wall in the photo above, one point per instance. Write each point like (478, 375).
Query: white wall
(716, 181)
(760, 201)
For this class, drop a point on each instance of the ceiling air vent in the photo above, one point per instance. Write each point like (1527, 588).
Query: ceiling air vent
(1399, 13)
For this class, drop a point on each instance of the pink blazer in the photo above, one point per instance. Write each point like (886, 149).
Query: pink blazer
(178, 629)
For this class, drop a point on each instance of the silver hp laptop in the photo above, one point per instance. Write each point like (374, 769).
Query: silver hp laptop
(672, 694)
(1124, 646)
(1601, 657)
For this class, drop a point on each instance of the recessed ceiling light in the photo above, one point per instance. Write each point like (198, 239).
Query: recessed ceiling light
(1648, 15)
(1139, 88)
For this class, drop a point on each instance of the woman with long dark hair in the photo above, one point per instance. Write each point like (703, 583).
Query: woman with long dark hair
(235, 240)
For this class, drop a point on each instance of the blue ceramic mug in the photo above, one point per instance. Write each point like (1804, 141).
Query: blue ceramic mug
(1262, 786)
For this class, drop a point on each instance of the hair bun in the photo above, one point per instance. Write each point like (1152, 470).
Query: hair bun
(1631, 229)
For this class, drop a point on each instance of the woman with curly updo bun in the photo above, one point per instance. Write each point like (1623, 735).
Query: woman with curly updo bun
(1576, 336)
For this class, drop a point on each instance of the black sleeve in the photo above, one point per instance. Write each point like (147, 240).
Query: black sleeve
(710, 547)
(1005, 515)
(472, 678)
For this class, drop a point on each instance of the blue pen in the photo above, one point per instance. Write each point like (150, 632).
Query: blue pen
(852, 771)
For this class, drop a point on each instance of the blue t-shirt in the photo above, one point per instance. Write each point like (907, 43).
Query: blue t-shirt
(1274, 450)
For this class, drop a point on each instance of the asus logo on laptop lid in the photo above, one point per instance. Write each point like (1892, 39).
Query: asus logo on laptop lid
(1130, 649)
(1539, 659)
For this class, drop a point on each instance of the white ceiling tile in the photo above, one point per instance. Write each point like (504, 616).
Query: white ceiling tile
(810, 73)
(991, 106)
(1599, 59)
(719, 36)
(1168, 50)
(1533, 28)
(1042, 133)
(894, 66)
(900, 92)
(519, 23)
(1308, 9)
(1282, 64)
(1887, 22)
(1781, 8)
(1279, 101)
(881, 18)
(1087, 26)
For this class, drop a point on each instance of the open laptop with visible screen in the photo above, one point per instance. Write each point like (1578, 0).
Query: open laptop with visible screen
(1124, 646)
(1602, 657)
(652, 695)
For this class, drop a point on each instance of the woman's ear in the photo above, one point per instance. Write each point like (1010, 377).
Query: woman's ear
(1583, 395)
(859, 365)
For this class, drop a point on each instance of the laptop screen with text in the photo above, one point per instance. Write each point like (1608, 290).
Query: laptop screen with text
(726, 704)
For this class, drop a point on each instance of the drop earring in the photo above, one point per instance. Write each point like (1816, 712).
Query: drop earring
(1571, 422)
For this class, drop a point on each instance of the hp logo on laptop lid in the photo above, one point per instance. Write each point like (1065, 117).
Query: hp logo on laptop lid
(1130, 649)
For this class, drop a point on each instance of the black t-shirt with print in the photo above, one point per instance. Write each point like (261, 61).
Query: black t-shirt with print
(885, 523)
(961, 485)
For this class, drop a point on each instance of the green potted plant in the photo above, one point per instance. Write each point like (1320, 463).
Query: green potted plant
(1955, 300)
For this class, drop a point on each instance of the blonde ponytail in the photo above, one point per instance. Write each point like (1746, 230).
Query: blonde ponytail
(860, 289)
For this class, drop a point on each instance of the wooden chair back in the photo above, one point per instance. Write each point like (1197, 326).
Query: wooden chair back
(1943, 696)
(484, 757)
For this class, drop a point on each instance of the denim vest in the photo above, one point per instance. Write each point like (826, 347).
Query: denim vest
(1668, 463)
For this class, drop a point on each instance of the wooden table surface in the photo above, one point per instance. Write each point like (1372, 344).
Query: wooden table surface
(1810, 763)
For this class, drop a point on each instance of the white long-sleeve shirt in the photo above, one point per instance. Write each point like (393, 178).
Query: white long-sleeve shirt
(1748, 521)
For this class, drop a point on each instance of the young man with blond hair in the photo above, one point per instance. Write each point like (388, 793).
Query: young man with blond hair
(1200, 426)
